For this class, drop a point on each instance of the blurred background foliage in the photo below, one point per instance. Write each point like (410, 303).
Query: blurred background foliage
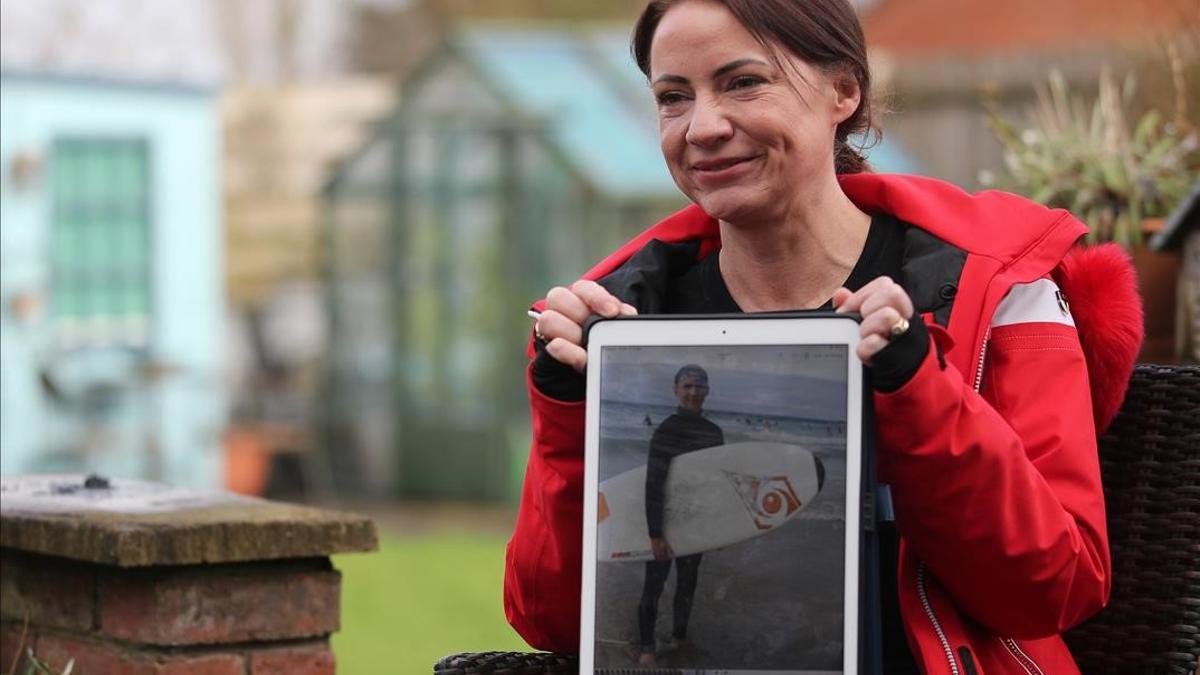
(1103, 162)
(286, 247)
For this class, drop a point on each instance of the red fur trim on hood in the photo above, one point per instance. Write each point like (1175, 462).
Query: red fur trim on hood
(1101, 285)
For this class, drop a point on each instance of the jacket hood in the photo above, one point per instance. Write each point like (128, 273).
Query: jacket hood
(1102, 287)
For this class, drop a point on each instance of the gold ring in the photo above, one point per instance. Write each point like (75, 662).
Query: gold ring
(899, 328)
(537, 331)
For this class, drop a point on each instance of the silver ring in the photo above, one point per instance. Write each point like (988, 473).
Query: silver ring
(899, 328)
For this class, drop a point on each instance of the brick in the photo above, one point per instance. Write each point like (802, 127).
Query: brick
(94, 657)
(220, 604)
(90, 658)
(313, 659)
(11, 645)
(48, 591)
(211, 664)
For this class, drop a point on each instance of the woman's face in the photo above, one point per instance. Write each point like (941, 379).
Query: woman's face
(742, 136)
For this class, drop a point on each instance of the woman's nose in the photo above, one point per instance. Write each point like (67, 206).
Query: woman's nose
(708, 125)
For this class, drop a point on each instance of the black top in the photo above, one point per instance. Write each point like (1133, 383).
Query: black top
(685, 431)
(701, 290)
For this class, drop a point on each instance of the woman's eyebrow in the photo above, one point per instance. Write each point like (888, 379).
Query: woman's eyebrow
(719, 72)
(734, 65)
(675, 79)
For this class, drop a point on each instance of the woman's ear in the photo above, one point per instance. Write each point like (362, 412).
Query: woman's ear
(846, 96)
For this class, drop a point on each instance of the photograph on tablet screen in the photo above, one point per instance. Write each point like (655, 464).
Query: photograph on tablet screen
(721, 508)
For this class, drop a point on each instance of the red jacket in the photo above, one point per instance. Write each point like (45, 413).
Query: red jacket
(991, 459)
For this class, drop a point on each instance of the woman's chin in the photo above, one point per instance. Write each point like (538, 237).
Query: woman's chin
(733, 208)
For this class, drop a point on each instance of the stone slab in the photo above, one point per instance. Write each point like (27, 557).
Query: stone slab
(138, 524)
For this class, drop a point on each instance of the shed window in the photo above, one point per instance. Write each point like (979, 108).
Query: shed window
(101, 240)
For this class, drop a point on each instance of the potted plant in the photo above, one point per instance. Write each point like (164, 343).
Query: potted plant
(1119, 172)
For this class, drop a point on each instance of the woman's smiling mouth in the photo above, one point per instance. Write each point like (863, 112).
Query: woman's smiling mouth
(721, 169)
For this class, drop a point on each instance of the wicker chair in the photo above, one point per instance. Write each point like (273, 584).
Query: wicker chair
(1150, 461)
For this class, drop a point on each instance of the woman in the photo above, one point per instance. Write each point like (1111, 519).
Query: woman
(986, 422)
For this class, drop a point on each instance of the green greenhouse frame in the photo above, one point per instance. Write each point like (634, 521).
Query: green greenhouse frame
(517, 157)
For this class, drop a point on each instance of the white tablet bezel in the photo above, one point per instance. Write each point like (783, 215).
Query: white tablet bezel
(726, 331)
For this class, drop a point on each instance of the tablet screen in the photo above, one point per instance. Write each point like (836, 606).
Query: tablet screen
(720, 509)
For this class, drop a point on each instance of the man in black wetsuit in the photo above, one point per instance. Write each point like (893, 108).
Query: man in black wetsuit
(685, 431)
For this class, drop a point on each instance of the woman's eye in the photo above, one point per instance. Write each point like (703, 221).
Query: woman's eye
(669, 98)
(744, 82)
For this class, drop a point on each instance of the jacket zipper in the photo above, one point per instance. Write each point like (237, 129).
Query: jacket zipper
(1021, 657)
(979, 365)
(924, 595)
(1027, 664)
(937, 626)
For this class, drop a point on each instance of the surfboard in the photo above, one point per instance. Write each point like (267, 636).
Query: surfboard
(714, 497)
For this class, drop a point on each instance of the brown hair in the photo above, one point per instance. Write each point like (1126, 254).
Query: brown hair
(692, 370)
(823, 33)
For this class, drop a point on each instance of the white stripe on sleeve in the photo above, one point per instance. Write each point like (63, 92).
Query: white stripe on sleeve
(1038, 301)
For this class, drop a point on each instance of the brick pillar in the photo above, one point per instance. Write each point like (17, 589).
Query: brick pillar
(178, 582)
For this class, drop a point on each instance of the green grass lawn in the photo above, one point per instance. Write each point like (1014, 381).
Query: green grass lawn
(420, 598)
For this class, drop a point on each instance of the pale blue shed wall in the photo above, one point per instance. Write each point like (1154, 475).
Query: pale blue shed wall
(188, 411)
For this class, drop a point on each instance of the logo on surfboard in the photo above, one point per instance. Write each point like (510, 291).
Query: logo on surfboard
(771, 500)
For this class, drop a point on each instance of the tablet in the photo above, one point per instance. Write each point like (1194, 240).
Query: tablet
(721, 499)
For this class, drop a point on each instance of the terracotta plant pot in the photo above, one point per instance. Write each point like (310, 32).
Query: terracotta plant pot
(1158, 279)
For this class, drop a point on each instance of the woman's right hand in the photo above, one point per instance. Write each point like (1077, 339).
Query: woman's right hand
(561, 323)
(661, 549)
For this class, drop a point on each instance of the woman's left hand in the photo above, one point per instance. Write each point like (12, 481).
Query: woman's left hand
(884, 307)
